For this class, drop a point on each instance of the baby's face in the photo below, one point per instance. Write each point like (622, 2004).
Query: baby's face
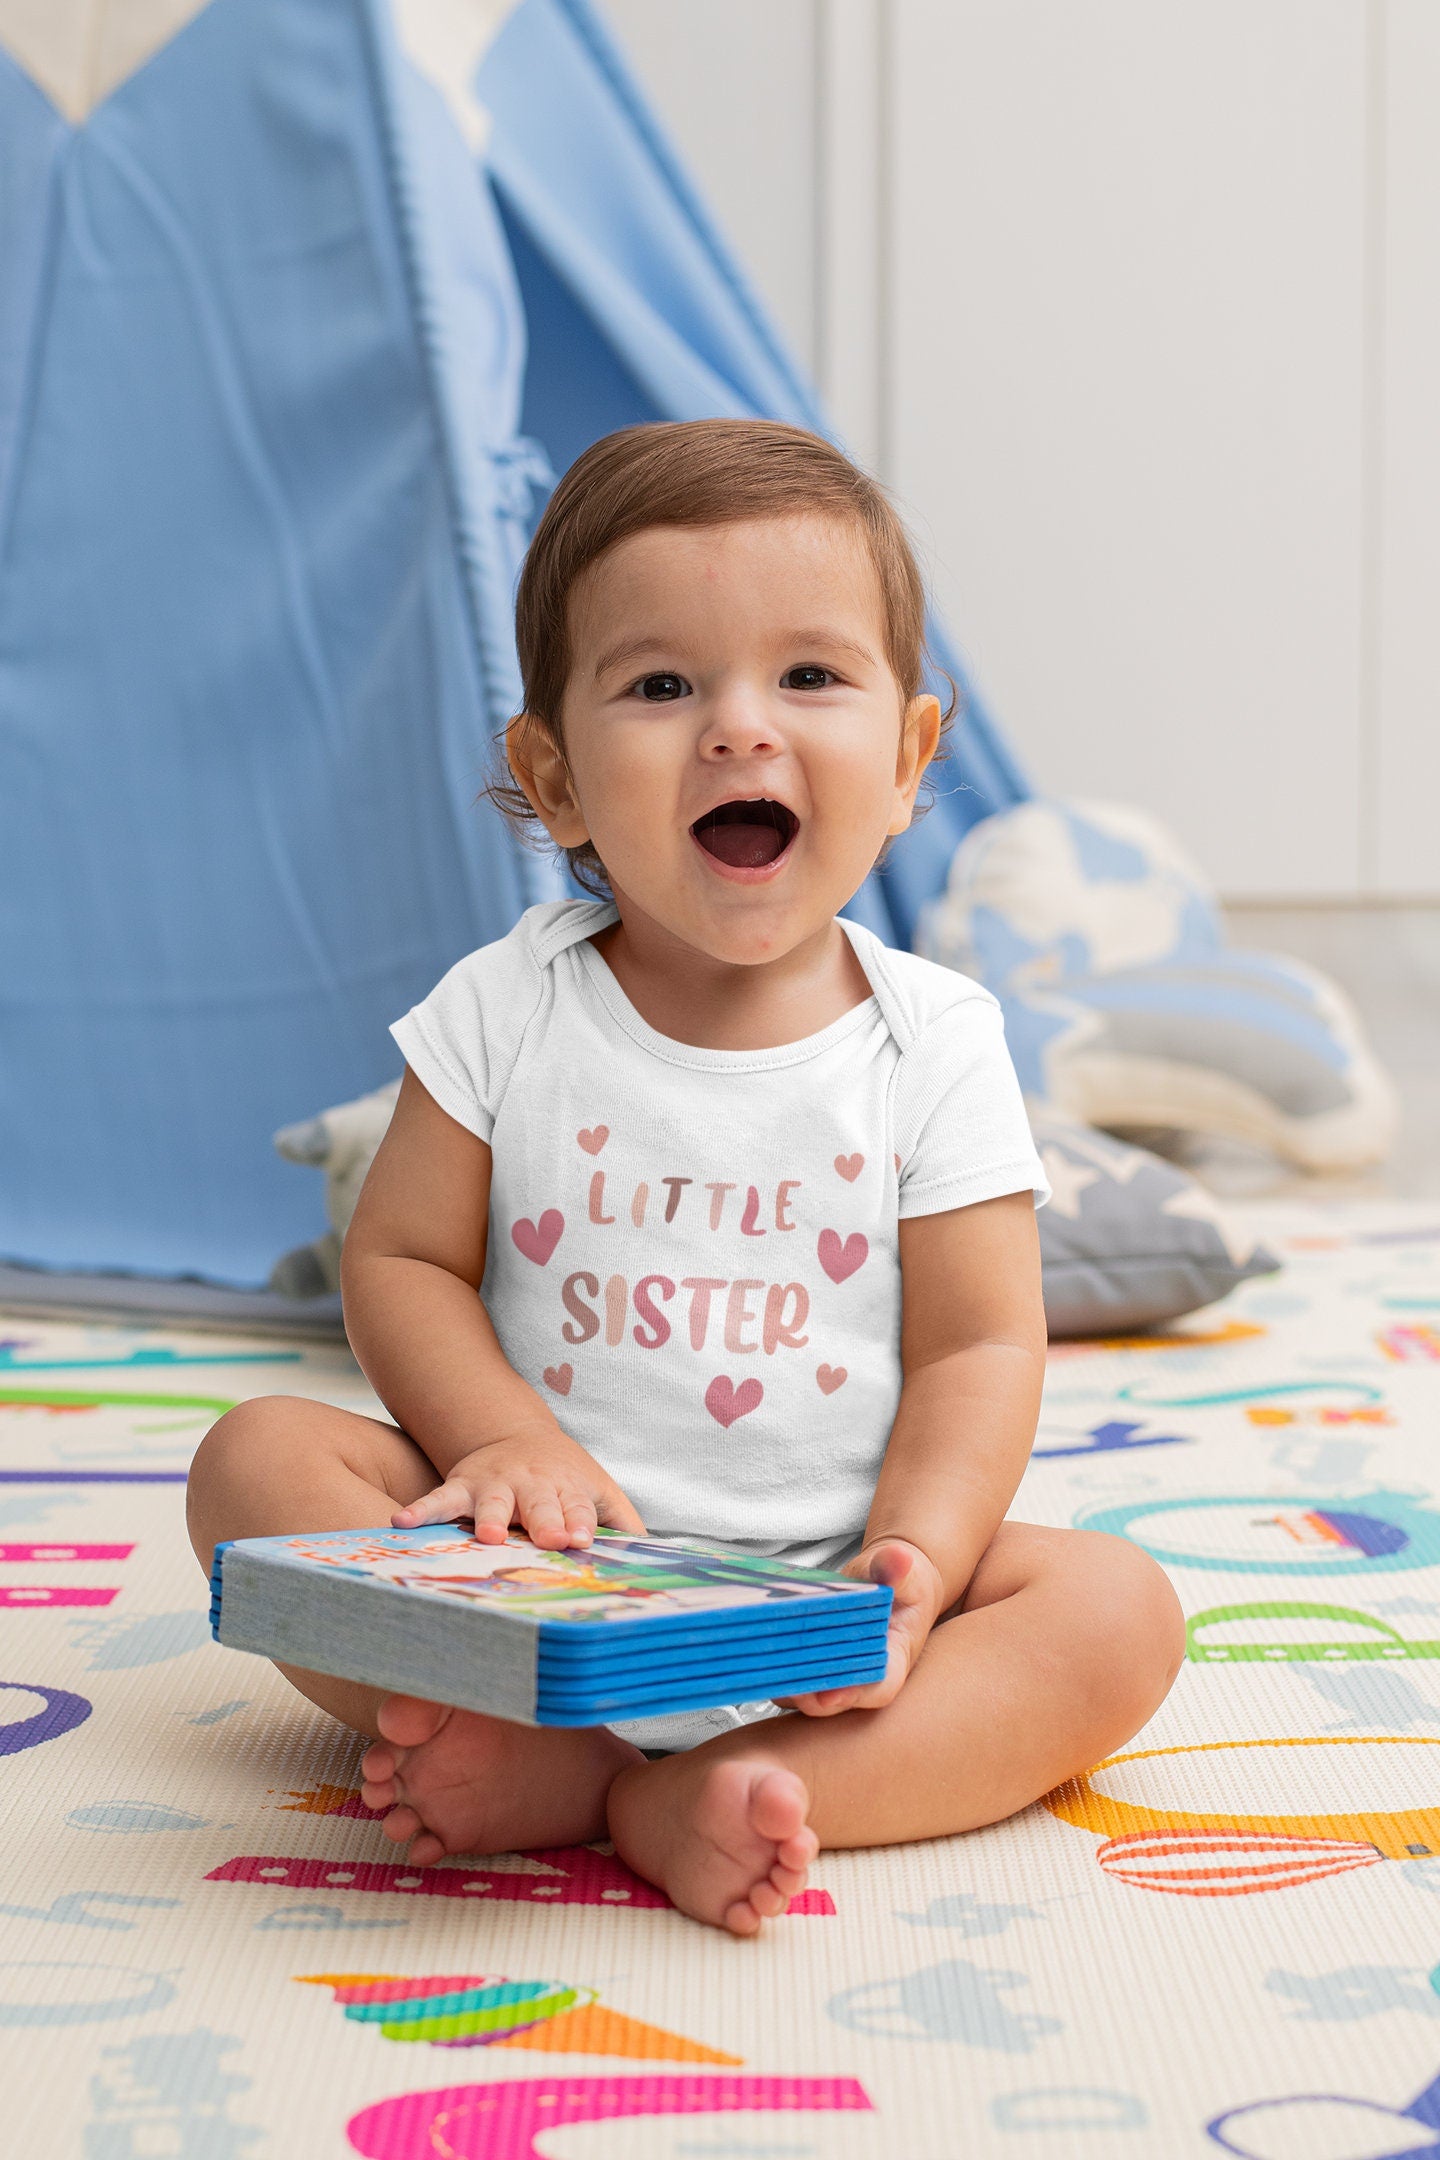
(737, 669)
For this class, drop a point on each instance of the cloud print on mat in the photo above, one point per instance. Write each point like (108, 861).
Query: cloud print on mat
(131, 1816)
(538, 1240)
(841, 1260)
(726, 1402)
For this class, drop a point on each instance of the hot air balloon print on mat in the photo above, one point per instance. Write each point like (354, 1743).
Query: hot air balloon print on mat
(1190, 1831)
(1377, 1532)
(1227, 1863)
(488, 2010)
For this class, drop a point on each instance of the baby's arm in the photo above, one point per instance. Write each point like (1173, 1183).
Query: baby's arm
(973, 1354)
(410, 1274)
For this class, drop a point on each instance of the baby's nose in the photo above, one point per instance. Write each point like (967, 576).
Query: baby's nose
(740, 723)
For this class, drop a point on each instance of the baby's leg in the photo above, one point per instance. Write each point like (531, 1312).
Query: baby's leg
(1064, 1644)
(284, 1464)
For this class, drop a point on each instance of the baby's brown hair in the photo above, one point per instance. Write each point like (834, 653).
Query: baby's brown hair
(690, 472)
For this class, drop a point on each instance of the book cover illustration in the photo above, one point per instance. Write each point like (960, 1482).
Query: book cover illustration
(618, 1578)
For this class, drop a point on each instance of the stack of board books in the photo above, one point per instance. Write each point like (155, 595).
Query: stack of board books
(627, 1628)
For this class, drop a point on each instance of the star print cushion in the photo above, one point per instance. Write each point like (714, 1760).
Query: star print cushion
(694, 1254)
(1125, 1007)
(1129, 1241)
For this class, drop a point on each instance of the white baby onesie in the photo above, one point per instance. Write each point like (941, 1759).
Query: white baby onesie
(693, 1254)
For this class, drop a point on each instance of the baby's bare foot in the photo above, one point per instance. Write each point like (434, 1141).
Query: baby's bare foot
(455, 1781)
(724, 1836)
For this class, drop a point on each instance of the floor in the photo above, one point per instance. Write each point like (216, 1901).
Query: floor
(208, 1951)
(1387, 960)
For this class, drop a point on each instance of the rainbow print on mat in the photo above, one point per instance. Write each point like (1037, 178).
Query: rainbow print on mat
(489, 2010)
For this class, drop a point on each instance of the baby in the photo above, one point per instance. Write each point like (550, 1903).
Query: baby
(611, 1116)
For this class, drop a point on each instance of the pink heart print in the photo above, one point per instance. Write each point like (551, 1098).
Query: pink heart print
(829, 1376)
(726, 1402)
(840, 1260)
(593, 1139)
(559, 1377)
(538, 1240)
(849, 1167)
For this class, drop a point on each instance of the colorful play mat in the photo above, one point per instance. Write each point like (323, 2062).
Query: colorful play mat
(1225, 1939)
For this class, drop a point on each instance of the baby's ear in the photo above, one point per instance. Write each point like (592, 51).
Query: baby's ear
(538, 763)
(919, 739)
(920, 736)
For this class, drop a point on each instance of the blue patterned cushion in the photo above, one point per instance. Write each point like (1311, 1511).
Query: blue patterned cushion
(1125, 1007)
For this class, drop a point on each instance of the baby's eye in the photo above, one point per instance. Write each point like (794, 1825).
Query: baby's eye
(806, 678)
(659, 689)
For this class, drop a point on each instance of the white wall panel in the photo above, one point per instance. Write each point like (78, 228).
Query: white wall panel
(734, 83)
(1125, 398)
(1407, 733)
(853, 182)
(1091, 284)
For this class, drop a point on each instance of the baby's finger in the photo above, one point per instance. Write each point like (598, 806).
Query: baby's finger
(616, 1513)
(447, 1503)
(495, 1510)
(542, 1515)
(888, 1563)
(908, 1634)
(580, 1518)
(878, 1694)
(828, 1703)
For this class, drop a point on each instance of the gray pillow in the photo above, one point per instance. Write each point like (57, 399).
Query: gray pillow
(1128, 1240)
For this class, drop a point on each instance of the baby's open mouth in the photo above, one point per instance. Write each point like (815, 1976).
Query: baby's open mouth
(746, 834)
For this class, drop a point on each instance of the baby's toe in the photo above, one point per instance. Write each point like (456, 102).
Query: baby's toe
(400, 1825)
(778, 1803)
(767, 1900)
(409, 1721)
(379, 1763)
(426, 1848)
(798, 1851)
(741, 1918)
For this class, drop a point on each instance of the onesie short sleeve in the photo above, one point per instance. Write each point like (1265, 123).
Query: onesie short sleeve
(463, 1039)
(961, 1132)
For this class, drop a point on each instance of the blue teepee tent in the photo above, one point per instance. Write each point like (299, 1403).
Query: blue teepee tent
(300, 300)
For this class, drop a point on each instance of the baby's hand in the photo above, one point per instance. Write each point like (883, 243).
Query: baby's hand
(540, 1478)
(919, 1600)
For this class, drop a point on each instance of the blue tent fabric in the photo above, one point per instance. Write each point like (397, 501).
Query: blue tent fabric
(281, 375)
